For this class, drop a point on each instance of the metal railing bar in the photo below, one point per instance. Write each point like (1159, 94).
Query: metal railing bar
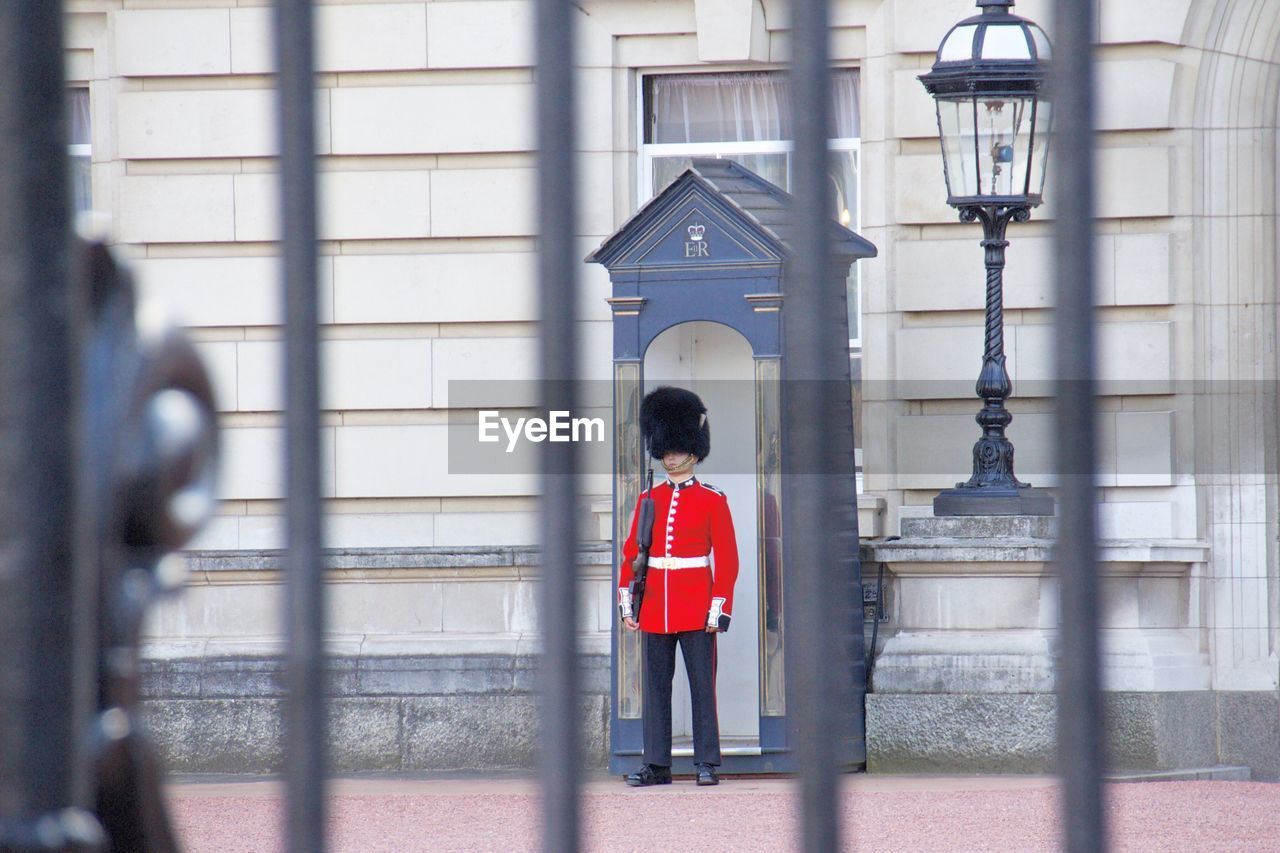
(813, 611)
(46, 675)
(304, 723)
(558, 759)
(1080, 714)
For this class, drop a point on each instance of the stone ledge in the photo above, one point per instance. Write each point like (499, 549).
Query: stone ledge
(468, 556)
(1221, 773)
(1014, 538)
(358, 677)
(1032, 527)
(1160, 554)
(1005, 552)
(369, 645)
(1153, 551)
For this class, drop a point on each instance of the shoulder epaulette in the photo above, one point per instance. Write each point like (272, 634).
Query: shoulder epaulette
(712, 488)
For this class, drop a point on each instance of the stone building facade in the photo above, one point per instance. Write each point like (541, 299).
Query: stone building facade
(427, 175)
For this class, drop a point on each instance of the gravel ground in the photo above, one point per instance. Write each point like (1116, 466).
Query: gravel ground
(898, 814)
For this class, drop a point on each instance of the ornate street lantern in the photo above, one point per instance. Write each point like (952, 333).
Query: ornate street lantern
(993, 118)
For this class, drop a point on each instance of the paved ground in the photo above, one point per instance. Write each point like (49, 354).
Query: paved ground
(880, 813)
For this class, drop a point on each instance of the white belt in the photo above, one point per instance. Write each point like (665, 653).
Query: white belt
(678, 562)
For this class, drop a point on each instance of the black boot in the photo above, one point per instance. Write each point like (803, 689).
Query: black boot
(707, 775)
(649, 774)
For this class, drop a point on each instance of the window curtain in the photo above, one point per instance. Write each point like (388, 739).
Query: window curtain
(844, 105)
(81, 169)
(78, 108)
(748, 107)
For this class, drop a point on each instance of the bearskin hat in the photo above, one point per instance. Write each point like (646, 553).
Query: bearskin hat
(675, 419)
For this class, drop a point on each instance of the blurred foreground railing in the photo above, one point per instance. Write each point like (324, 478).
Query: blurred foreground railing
(46, 635)
(1080, 721)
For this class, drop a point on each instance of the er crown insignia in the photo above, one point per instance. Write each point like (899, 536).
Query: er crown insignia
(696, 232)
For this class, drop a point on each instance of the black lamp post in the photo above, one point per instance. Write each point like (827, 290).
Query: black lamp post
(993, 119)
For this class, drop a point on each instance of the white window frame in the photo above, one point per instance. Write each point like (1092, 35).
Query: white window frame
(649, 151)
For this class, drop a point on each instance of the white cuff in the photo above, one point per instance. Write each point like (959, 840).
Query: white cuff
(624, 602)
(716, 611)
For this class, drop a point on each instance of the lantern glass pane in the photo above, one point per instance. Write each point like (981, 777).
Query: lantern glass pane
(1040, 151)
(1007, 42)
(1004, 137)
(1044, 51)
(958, 46)
(959, 163)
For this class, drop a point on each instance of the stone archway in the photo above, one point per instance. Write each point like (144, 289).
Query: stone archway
(1234, 309)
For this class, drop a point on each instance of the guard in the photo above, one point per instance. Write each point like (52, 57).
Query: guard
(687, 597)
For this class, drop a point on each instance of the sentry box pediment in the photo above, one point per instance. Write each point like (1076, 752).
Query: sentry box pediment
(709, 247)
(715, 214)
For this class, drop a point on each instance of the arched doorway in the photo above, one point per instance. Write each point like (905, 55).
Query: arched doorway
(715, 362)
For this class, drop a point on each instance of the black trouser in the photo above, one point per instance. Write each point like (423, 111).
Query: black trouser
(699, 650)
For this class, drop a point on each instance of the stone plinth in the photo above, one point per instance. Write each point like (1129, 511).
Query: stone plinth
(974, 606)
(977, 609)
(976, 619)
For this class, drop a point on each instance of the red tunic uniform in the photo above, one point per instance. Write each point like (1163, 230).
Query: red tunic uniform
(690, 521)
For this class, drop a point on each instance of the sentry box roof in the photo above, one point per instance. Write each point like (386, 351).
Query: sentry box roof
(716, 214)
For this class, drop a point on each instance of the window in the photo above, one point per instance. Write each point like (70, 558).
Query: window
(80, 150)
(746, 117)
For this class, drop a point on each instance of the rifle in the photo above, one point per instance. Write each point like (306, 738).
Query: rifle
(644, 539)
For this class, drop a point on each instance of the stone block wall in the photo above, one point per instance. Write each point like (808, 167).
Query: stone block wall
(433, 661)
(426, 175)
(1016, 732)
(402, 713)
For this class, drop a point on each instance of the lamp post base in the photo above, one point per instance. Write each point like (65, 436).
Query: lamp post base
(993, 500)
